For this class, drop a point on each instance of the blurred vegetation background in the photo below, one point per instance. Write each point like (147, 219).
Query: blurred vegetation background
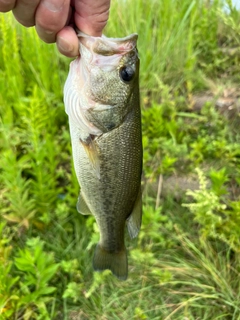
(185, 263)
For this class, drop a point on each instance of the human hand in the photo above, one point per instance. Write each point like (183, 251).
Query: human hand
(54, 20)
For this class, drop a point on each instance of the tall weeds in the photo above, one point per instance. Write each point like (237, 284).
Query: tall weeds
(173, 35)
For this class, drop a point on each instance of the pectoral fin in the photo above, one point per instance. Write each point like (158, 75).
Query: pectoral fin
(82, 206)
(135, 219)
(92, 153)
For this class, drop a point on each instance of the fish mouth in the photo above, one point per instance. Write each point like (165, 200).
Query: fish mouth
(133, 36)
(108, 46)
(106, 53)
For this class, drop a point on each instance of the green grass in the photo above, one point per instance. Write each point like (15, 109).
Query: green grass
(185, 263)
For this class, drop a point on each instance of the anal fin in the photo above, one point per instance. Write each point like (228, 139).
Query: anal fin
(82, 206)
(135, 219)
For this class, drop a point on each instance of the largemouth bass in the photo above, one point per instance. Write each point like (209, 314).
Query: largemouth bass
(101, 97)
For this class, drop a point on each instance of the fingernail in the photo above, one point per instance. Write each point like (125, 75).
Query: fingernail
(53, 5)
(64, 45)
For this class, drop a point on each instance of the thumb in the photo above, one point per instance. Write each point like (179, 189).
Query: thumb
(91, 16)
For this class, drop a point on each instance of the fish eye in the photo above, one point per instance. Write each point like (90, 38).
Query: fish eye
(126, 73)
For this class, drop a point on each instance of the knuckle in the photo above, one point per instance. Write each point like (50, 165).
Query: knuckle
(49, 26)
(46, 36)
(6, 6)
(25, 22)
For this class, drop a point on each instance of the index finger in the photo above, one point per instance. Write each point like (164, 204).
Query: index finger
(51, 17)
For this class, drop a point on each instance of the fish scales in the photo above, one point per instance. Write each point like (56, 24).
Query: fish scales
(108, 164)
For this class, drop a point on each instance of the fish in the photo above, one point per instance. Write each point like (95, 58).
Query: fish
(101, 97)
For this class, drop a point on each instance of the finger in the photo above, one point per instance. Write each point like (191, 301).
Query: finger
(67, 42)
(7, 5)
(91, 16)
(51, 17)
(24, 12)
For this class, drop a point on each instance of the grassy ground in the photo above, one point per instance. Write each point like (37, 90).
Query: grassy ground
(185, 263)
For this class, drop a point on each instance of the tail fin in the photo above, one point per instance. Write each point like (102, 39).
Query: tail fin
(114, 261)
